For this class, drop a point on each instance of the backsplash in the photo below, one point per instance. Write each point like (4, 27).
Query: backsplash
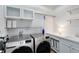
(13, 32)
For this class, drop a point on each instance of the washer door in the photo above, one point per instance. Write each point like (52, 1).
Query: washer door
(23, 49)
(43, 47)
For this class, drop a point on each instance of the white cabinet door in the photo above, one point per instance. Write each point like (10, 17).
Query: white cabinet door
(64, 48)
(55, 45)
(74, 50)
(28, 14)
(11, 11)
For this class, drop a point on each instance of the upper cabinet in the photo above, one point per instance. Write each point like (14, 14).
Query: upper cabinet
(15, 16)
(27, 14)
(18, 13)
(10, 11)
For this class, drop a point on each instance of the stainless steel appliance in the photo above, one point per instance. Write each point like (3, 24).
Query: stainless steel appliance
(20, 45)
(41, 44)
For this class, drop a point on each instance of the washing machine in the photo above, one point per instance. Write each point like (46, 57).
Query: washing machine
(20, 45)
(41, 44)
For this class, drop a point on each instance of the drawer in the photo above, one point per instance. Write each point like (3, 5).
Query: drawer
(66, 42)
(75, 45)
(74, 50)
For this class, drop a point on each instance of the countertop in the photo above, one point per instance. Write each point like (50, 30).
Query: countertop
(23, 37)
(70, 38)
(17, 38)
(37, 35)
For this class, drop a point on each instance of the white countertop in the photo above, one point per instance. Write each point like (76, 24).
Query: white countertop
(70, 38)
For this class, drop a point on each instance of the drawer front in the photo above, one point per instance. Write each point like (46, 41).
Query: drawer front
(74, 50)
(75, 45)
(64, 48)
(54, 44)
(66, 42)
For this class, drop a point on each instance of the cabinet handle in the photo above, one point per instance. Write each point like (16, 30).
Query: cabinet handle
(56, 43)
(53, 43)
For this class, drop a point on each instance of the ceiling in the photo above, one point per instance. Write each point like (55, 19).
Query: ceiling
(52, 7)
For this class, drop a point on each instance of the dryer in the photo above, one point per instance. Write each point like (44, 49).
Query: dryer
(20, 45)
(41, 44)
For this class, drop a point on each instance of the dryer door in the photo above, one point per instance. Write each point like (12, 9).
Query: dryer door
(43, 47)
(23, 49)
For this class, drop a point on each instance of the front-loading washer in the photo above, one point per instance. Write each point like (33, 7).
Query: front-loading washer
(41, 44)
(21, 45)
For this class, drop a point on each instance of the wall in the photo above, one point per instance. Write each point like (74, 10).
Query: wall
(2, 22)
(63, 23)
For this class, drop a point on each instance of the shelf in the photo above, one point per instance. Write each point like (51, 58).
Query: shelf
(17, 18)
(17, 27)
(22, 27)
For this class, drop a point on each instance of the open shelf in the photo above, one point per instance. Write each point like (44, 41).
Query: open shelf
(17, 27)
(21, 27)
(17, 18)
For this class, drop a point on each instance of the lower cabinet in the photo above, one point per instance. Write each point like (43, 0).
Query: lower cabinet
(62, 45)
(68, 47)
(64, 48)
(74, 50)
(54, 44)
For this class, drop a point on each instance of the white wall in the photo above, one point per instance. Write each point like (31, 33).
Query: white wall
(62, 15)
(2, 22)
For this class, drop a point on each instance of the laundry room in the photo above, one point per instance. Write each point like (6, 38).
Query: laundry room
(39, 28)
